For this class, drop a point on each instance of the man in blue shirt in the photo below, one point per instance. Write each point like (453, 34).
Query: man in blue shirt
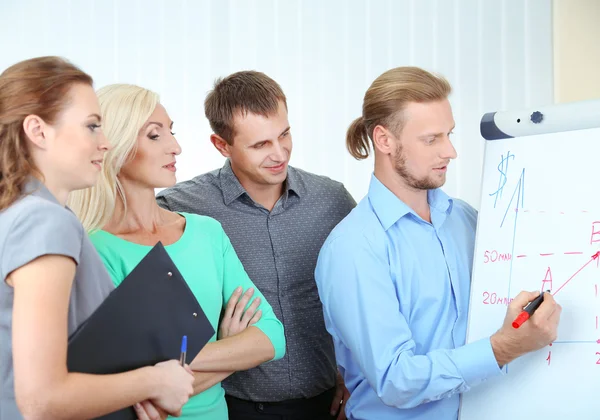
(394, 276)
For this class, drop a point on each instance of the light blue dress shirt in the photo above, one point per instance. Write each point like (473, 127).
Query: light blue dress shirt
(395, 292)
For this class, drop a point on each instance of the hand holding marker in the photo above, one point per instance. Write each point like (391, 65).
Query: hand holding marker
(529, 310)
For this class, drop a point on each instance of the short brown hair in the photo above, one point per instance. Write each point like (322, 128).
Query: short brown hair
(385, 100)
(242, 92)
(38, 86)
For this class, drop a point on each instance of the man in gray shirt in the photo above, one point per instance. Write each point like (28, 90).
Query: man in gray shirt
(277, 218)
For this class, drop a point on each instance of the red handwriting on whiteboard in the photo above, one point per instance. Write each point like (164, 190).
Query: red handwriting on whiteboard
(494, 299)
(495, 256)
(595, 232)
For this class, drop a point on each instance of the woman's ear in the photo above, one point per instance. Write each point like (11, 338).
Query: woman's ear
(34, 128)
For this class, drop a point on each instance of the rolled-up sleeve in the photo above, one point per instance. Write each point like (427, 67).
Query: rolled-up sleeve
(362, 312)
(235, 276)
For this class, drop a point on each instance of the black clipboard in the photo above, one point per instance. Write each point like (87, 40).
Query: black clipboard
(141, 323)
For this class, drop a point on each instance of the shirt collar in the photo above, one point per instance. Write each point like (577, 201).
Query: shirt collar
(233, 189)
(37, 188)
(389, 209)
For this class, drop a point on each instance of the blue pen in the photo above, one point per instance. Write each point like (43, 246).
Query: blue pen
(183, 350)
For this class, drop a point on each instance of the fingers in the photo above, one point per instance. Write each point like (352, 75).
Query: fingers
(188, 369)
(141, 413)
(522, 299)
(335, 404)
(555, 317)
(546, 309)
(241, 305)
(233, 300)
(256, 317)
(250, 312)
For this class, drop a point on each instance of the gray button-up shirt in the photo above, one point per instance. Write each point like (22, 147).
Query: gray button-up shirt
(279, 251)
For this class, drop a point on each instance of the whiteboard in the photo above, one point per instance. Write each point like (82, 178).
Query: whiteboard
(539, 228)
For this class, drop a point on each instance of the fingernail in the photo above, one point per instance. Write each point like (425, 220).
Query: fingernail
(239, 289)
(138, 406)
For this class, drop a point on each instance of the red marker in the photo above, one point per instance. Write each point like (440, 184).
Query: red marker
(529, 310)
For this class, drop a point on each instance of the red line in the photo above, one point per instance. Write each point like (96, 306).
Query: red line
(571, 278)
(545, 255)
(521, 256)
(573, 253)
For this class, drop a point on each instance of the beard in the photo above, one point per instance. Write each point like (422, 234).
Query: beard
(412, 181)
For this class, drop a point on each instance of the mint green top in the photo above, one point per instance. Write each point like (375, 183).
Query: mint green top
(212, 269)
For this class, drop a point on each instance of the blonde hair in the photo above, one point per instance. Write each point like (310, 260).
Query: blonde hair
(125, 109)
(385, 100)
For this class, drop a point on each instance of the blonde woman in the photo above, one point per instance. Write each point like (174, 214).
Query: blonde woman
(51, 143)
(125, 222)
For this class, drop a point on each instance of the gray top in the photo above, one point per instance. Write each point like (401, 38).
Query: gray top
(279, 251)
(34, 226)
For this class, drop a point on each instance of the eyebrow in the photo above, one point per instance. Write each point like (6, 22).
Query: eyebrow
(159, 124)
(424, 136)
(95, 116)
(262, 141)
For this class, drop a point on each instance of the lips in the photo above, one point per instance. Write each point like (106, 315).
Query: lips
(170, 167)
(97, 163)
(277, 168)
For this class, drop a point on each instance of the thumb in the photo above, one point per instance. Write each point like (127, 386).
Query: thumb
(188, 369)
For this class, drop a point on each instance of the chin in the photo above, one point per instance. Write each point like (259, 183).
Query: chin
(165, 183)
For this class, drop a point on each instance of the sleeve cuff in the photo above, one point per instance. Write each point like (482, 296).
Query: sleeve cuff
(476, 362)
(274, 332)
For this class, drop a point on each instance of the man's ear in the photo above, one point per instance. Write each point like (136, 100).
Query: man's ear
(221, 145)
(34, 128)
(383, 140)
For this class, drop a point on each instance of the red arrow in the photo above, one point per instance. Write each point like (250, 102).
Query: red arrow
(593, 258)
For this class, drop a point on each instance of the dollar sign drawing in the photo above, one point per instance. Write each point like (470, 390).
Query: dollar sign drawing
(503, 169)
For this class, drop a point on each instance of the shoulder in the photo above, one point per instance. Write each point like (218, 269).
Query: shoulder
(314, 180)
(33, 227)
(360, 229)
(197, 185)
(33, 215)
(323, 187)
(464, 211)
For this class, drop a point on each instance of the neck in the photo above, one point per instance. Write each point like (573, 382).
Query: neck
(414, 198)
(143, 213)
(264, 194)
(60, 192)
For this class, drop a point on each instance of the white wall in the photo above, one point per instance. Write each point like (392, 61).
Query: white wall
(497, 54)
(576, 50)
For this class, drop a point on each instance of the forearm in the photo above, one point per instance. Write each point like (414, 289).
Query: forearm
(206, 380)
(410, 380)
(242, 351)
(83, 396)
(505, 350)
